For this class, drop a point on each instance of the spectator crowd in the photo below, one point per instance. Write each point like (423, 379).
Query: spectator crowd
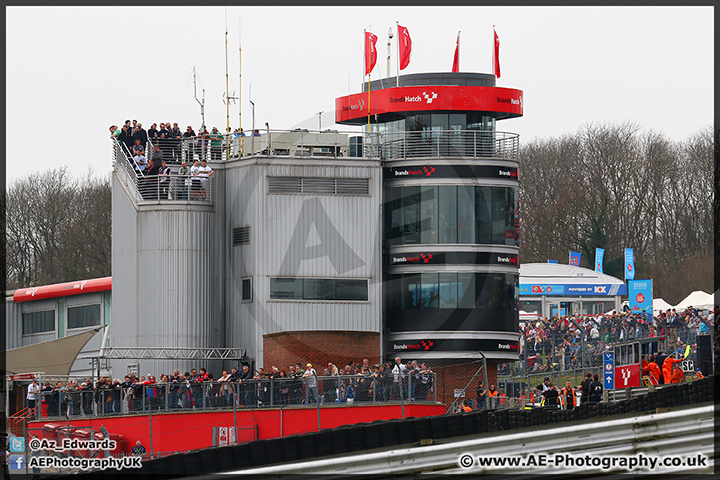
(296, 385)
(150, 154)
(560, 343)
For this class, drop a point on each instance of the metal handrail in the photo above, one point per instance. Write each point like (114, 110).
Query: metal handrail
(449, 143)
(475, 144)
(161, 188)
(245, 394)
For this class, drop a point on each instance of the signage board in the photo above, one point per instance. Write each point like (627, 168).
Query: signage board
(609, 370)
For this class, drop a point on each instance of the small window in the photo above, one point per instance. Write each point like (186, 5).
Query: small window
(38, 322)
(84, 316)
(323, 289)
(286, 288)
(247, 289)
(241, 236)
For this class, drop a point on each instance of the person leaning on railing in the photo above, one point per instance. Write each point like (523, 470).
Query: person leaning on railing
(183, 181)
(189, 141)
(164, 181)
(151, 180)
(205, 173)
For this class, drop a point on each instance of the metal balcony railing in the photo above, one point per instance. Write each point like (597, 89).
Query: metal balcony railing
(449, 143)
(245, 394)
(143, 189)
(473, 144)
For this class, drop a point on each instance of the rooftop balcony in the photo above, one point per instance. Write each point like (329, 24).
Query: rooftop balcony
(388, 147)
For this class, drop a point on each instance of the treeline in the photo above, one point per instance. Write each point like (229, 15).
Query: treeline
(58, 228)
(616, 187)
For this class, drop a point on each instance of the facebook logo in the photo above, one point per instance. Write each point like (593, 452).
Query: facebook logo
(17, 462)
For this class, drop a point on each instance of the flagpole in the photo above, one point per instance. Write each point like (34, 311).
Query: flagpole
(390, 35)
(458, 50)
(493, 54)
(397, 73)
(367, 65)
(240, 91)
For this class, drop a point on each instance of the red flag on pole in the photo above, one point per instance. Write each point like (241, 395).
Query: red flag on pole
(370, 52)
(456, 59)
(405, 46)
(497, 55)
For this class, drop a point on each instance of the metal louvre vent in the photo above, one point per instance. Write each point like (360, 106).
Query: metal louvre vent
(318, 186)
(284, 185)
(322, 186)
(353, 186)
(241, 236)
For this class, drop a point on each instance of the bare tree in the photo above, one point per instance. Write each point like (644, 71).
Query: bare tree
(58, 228)
(616, 187)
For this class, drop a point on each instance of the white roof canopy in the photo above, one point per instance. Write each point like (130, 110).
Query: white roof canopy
(54, 357)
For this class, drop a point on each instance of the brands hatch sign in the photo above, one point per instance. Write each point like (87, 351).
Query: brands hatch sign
(453, 345)
(451, 171)
(453, 258)
(505, 102)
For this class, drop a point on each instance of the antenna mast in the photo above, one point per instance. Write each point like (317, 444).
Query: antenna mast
(202, 104)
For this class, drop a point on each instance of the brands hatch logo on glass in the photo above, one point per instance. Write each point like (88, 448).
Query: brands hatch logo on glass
(428, 97)
(426, 171)
(423, 257)
(508, 173)
(511, 101)
(357, 106)
(511, 259)
(422, 345)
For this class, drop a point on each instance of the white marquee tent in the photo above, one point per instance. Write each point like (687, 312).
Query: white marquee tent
(660, 305)
(697, 299)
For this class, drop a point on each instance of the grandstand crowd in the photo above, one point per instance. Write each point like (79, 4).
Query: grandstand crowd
(559, 343)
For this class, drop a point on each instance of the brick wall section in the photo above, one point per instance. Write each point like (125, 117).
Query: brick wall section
(319, 348)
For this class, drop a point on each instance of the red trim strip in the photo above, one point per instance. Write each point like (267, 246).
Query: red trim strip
(63, 289)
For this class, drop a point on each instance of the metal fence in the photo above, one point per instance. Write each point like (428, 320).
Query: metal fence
(119, 399)
(449, 143)
(334, 143)
(191, 189)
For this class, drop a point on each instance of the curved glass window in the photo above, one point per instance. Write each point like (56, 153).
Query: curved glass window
(449, 214)
(451, 290)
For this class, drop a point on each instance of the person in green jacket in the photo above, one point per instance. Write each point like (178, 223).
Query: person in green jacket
(215, 144)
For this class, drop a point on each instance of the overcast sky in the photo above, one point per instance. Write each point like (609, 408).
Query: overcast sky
(73, 71)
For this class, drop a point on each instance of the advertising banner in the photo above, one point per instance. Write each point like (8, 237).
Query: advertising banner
(640, 295)
(574, 259)
(599, 254)
(629, 264)
(605, 289)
